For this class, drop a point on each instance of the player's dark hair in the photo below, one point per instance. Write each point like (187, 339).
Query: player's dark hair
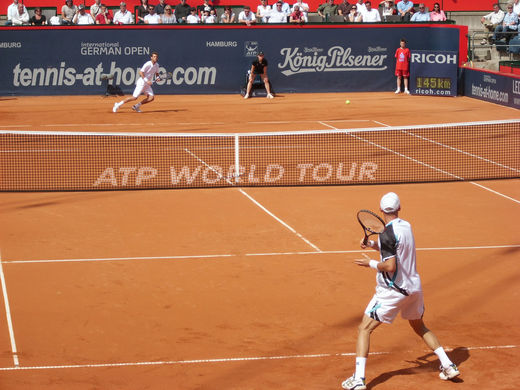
(403, 40)
(154, 52)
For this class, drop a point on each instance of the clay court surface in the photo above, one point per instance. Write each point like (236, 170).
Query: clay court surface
(251, 288)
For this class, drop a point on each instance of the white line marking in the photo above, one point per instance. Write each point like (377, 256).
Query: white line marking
(237, 359)
(310, 121)
(8, 315)
(381, 123)
(217, 256)
(495, 192)
(326, 125)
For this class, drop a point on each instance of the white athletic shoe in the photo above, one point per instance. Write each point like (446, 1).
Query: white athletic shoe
(136, 108)
(407, 92)
(449, 372)
(354, 384)
(116, 107)
(269, 96)
(398, 91)
(246, 96)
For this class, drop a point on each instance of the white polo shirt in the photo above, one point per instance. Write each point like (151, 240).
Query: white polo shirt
(149, 70)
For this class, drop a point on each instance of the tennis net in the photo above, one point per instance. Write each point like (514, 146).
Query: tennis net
(65, 161)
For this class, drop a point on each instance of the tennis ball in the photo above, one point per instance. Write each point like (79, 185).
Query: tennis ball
(347, 101)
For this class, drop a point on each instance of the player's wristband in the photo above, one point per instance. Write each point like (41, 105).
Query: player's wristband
(373, 264)
(370, 243)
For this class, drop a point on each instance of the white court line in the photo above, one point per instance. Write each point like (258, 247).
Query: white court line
(8, 315)
(218, 256)
(309, 121)
(495, 192)
(239, 359)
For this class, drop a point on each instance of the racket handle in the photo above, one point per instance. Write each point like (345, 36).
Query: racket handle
(365, 240)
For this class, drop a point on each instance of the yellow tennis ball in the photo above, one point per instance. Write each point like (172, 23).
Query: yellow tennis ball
(347, 101)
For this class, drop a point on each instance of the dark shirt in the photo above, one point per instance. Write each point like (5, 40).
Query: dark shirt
(345, 8)
(159, 9)
(182, 11)
(259, 66)
(38, 22)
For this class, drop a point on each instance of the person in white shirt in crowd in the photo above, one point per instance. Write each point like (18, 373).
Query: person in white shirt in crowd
(95, 9)
(361, 7)
(152, 17)
(11, 10)
(209, 17)
(247, 17)
(21, 16)
(82, 18)
(277, 15)
(228, 16)
(123, 16)
(304, 8)
(68, 11)
(516, 7)
(421, 15)
(354, 16)
(371, 15)
(286, 8)
(193, 18)
(387, 8)
(263, 10)
(168, 16)
(491, 21)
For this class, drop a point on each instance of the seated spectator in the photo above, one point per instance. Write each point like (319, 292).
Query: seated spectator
(205, 6)
(263, 10)
(68, 11)
(277, 15)
(297, 16)
(326, 10)
(21, 16)
(82, 18)
(152, 17)
(508, 26)
(123, 16)
(344, 8)
(141, 12)
(159, 8)
(491, 21)
(437, 15)
(228, 16)
(361, 7)
(209, 17)
(304, 7)
(354, 15)
(95, 9)
(421, 15)
(168, 17)
(404, 10)
(246, 16)
(193, 18)
(286, 8)
(371, 15)
(388, 8)
(11, 10)
(38, 18)
(182, 10)
(104, 16)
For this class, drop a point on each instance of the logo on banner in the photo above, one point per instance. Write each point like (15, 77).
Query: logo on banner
(433, 73)
(251, 48)
(335, 59)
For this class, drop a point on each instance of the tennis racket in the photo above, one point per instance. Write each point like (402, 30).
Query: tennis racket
(165, 76)
(371, 223)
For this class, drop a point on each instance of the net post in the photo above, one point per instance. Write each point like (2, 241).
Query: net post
(237, 158)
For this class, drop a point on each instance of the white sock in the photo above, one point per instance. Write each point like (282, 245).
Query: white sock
(360, 367)
(445, 360)
(138, 105)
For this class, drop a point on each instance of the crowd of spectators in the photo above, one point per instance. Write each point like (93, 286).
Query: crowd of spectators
(503, 26)
(279, 12)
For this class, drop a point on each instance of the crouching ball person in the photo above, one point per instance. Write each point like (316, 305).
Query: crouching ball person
(258, 67)
(147, 73)
(398, 290)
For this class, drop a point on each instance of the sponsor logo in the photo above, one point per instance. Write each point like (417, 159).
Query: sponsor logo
(221, 43)
(432, 58)
(377, 49)
(10, 45)
(335, 59)
(251, 48)
(111, 49)
(489, 93)
(516, 87)
(489, 79)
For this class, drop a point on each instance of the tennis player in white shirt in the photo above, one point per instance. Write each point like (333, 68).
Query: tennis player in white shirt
(147, 73)
(398, 290)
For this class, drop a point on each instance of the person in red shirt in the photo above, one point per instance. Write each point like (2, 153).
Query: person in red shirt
(104, 16)
(402, 66)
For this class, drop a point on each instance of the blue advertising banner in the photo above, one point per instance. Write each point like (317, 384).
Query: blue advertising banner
(492, 87)
(434, 73)
(203, 60)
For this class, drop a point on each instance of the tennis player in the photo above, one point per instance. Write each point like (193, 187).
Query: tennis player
(147, 73)
(258, 67)
(398, 290)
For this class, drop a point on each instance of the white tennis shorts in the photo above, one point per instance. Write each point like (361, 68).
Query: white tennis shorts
(142, 88)
(387, 303)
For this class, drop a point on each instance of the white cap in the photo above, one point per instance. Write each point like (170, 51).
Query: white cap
(390, 203)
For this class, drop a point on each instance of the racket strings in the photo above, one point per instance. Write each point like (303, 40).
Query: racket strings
(371, 222)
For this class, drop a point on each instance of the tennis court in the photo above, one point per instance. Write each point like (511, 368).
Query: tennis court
(250, 287)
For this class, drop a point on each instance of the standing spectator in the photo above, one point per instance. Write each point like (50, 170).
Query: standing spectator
(38, 18)
(361, 7)
(168, 17)
(422, 15)
(68, 11)
(258, 67)
(344, 8)
(508, 27)
(371, 15)
(193, 18)
(205, 6)
(159, 8)
(95, 9)
(263, 10)
(21, 16)
(304, 7)
(123, 16)
(104, 16)
(182, 10)
(404, 9)
(437, 15)
(141, 12)
(516, 7)
(388, 8)
(152, 17)
(277, 15)
(326, 10)
(491, 21)
(402, 66)
(82, 18)
(12, 9)
(297, 16)
(228, 16)
(286, 8)
(355, 16)
(246, 16)
(209, 17)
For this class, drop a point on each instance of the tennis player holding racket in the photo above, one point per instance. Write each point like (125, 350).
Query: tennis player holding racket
(148, 73)
(398, 290)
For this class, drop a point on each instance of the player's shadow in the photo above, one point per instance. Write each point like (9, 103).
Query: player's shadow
(428, 362)
(164, 111)
(8, 98)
